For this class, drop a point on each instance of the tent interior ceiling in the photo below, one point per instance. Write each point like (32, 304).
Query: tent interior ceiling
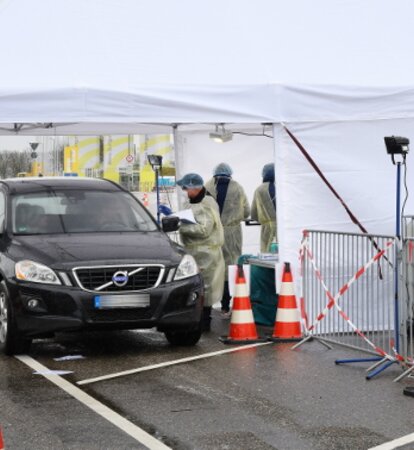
(81, 128)
(86, 129)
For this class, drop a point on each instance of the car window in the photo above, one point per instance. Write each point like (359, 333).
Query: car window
(78, 211)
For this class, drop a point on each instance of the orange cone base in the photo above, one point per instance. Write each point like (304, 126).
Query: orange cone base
(287, 331)
(229, 340)
(242, 333)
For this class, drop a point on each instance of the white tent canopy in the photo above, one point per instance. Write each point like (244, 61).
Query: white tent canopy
(336, 73)
(129, 62)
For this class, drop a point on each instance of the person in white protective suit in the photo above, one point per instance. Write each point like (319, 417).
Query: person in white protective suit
(264, 207)
(204, 240)
(234, 208)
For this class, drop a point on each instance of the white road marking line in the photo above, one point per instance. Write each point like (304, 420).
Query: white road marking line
(395, 443)
(125, 425)
(169, 363)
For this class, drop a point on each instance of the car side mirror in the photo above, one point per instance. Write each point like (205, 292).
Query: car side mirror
(170, 223)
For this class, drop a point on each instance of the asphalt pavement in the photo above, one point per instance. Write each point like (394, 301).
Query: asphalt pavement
(211, 396)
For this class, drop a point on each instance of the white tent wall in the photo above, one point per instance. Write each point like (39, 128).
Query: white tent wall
(352, 156)
(196, 152)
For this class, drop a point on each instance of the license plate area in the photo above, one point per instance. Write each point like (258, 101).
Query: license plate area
(121, 301)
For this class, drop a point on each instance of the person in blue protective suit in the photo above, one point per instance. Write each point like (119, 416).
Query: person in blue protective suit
(204, 240)
(264, 207)
(234, 208)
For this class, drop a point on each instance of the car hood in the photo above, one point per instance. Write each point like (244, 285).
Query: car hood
(70, 250)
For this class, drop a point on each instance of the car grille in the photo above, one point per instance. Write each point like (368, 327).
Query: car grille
(100, 279)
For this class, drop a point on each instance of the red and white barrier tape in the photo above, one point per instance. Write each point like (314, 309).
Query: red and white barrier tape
(399, 357)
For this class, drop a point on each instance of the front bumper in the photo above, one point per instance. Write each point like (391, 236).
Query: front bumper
(173, 306)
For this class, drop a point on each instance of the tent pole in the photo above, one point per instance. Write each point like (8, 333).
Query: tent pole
(177, 157)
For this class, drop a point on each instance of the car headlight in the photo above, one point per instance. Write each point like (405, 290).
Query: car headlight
(35, 272)
(187, 268)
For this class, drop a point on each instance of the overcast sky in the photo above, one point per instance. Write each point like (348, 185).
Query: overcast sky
(17, 142)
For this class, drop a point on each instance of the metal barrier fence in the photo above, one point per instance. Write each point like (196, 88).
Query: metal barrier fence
(348, 290)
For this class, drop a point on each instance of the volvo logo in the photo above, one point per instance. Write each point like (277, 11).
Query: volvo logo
(120, 278)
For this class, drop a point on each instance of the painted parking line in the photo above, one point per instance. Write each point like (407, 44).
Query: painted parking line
(169, 363)
(395, 443)
(125, 425)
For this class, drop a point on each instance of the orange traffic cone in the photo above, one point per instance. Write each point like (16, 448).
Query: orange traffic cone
(242, 326)
(145, 200)
(287, 323)
(1, 441)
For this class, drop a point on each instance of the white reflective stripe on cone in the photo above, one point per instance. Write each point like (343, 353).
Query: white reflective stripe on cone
(241, 290)
(287, 288)
(242, 316)
(287, 315)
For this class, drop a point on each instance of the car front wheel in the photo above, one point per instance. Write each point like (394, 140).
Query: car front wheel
(11, 342)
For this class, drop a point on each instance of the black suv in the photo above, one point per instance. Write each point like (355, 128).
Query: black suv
(81, 253)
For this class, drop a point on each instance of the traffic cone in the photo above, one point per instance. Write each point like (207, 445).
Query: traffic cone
(287, 323)
(145, 200)
(1, 441)
(242, 326)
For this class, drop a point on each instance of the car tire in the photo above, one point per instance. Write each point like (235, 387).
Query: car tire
(183, 338)
(11, 342)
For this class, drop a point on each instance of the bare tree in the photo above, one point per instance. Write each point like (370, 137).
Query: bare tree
(13, 162)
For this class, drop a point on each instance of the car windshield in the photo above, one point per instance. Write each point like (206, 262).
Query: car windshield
(78, 211)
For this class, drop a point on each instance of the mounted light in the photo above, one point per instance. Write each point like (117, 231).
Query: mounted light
(221, 134)
(156, 164)
(155, 161)
(397, 145)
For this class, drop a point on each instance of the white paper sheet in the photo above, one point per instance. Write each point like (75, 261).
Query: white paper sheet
(185, 215)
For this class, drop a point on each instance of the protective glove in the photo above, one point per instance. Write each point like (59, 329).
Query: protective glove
(164, 209)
